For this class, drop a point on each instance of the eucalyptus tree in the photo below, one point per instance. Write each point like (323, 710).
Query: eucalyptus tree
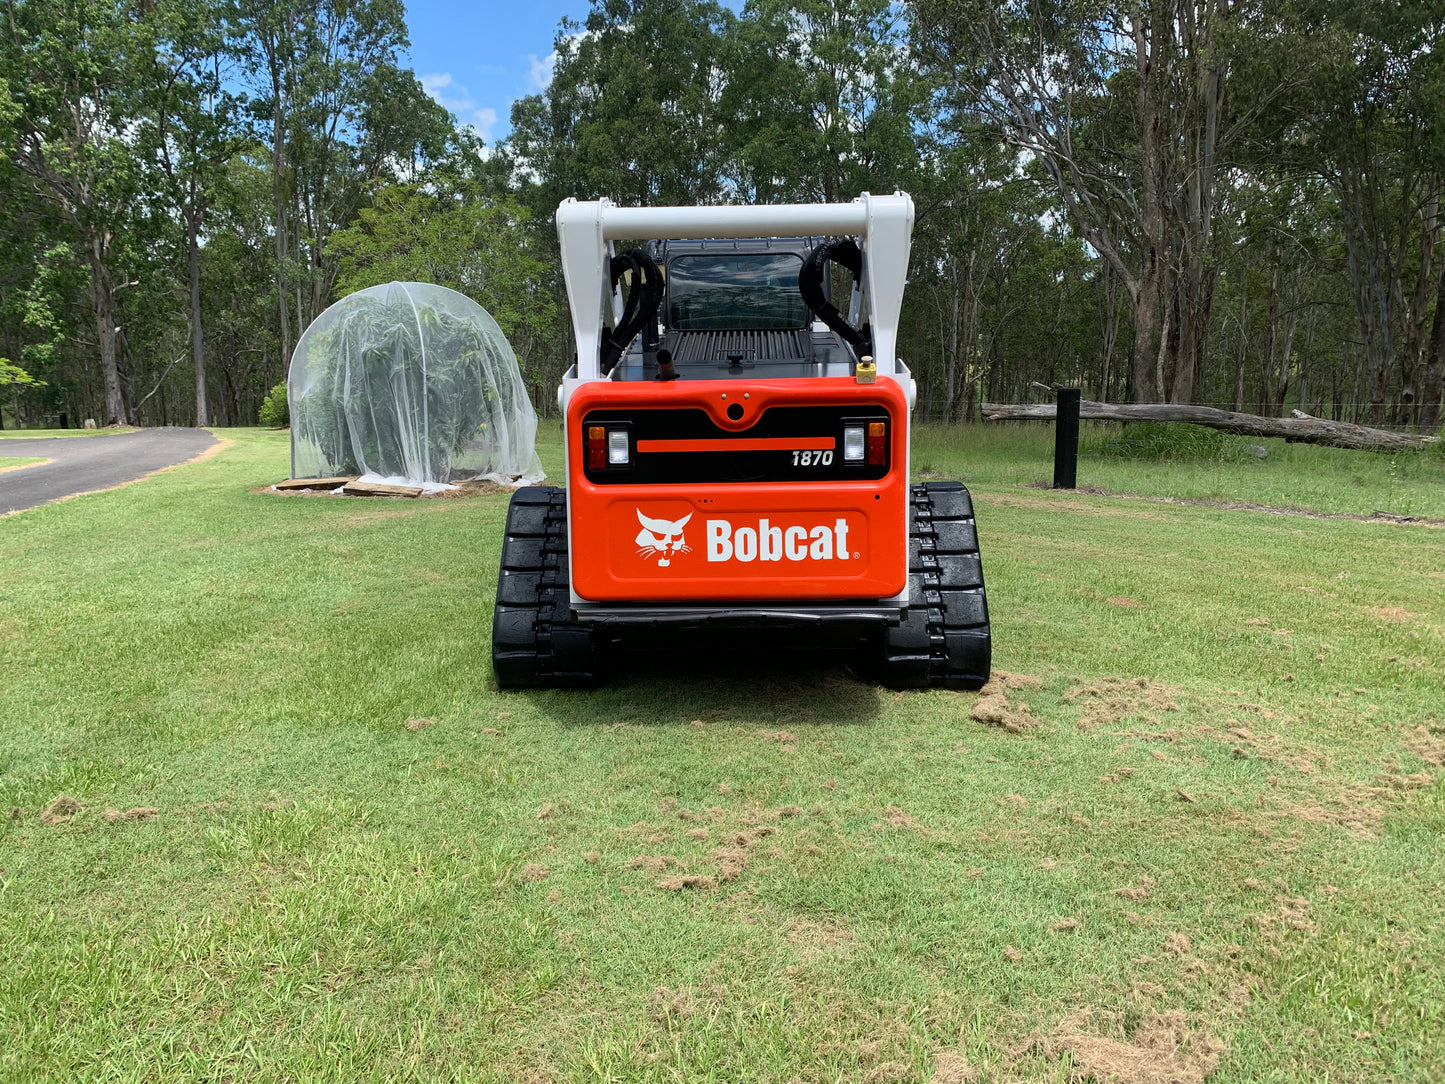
(1126, 108)
(76, 75)
(632, 111)
(823, 100)
(462, 236)
(1368, 123)
(339, 114)
(191, 131)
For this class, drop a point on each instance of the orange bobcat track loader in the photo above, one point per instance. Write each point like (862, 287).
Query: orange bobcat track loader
(737, 456)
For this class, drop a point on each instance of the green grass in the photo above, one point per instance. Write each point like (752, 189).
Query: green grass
(324, 894)
(1296, 476)
(43, 434)
(10, 462)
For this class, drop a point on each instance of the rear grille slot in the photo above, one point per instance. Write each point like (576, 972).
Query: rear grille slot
(719, 346)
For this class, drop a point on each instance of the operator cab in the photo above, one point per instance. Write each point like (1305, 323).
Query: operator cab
(738, 308)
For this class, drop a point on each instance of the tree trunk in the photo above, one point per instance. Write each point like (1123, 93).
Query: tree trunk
(1144, 387)
(1434, 385)
(198, 356)
(278, 150)
(1414, 357)
(1243, 355)
(102, 298)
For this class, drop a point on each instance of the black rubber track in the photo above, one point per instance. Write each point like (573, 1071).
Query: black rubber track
(535, 642)
(944, 641)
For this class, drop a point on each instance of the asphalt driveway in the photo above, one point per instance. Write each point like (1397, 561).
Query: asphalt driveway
(84, 464)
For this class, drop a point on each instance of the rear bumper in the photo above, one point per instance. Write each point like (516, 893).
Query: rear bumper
(859, 616)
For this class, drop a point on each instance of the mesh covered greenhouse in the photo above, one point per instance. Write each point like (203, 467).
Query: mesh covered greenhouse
(410, 382)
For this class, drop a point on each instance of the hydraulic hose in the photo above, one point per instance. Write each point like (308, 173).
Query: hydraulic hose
(641, 306)
(846, 253)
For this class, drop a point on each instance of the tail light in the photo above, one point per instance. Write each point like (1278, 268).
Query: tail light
(877, 444)
(596, 447)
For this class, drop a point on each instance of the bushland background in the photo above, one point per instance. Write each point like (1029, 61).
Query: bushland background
(1233, 202)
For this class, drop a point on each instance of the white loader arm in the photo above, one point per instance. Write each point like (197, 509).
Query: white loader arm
(882, 224)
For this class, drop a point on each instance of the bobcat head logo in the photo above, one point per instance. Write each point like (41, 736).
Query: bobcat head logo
(662, 537)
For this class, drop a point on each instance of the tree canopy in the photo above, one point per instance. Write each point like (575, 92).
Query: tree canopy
(1233, 203)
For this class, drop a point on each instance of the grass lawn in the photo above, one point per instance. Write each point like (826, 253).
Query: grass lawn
(313, 843)
(15, 462)
(44, 434)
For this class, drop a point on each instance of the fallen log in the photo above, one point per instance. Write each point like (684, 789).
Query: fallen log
(1302, 427)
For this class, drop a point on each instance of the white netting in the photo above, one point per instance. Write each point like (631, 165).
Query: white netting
(410, 382)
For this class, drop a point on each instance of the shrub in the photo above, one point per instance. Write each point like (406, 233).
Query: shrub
(275, 409)
(1436, 450)
(1171, 440)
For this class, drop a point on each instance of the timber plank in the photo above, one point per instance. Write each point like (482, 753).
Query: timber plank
(380, 489)
(315, 483)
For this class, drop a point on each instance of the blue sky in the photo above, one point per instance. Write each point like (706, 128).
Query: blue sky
(476, 59)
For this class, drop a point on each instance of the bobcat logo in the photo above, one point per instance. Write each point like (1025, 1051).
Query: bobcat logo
(662, 537)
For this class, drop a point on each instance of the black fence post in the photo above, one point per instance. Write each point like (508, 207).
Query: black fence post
(1066, 439)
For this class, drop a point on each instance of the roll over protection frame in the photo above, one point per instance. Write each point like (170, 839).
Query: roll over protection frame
(883, 226)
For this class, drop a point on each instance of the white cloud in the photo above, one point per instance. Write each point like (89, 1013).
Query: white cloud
(539, 78)
(452, 96)
(541, 70)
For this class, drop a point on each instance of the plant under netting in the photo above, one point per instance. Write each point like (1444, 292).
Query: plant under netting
(410, 381)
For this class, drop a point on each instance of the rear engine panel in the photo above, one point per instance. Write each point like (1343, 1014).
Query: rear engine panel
(736, 489)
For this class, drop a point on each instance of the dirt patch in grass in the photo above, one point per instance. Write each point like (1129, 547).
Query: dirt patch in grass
(1177, 944)
(889, 1072)
(731, 861)
(993, 707)
(1291, 914)
(1355, 807)
(1428, 746)
(810, 934)
(669, 1006)
(415, 724)
(684, 881)
(737, 836)
(139, 813)
(61, 808)
(898, 819)
(535, 872)
(1391, 613)
(1162, 1050)
(655, 863)
(1139, 892)
(1112, 700)
(950, 1067)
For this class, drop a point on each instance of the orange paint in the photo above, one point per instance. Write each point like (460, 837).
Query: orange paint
(781, 539)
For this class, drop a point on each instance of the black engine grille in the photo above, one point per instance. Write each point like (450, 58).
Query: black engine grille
(719, 346)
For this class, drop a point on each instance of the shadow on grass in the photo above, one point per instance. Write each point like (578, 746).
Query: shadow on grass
(742, 687)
